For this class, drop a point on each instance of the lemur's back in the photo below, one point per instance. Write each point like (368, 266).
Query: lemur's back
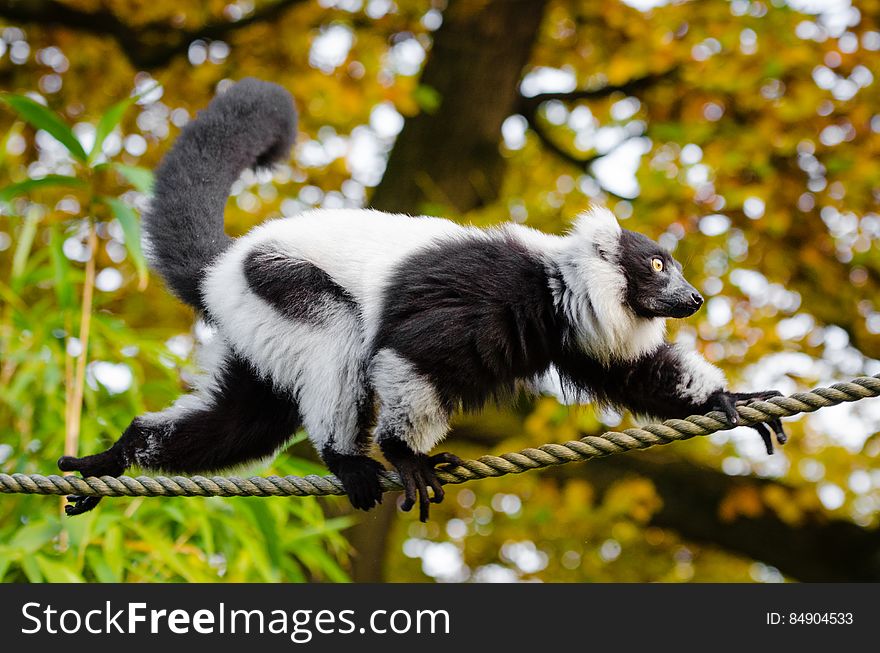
(357, 248)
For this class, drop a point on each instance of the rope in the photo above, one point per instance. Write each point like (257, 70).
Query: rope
(591, 446)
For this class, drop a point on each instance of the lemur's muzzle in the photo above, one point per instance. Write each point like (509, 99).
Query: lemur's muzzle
(680, 298)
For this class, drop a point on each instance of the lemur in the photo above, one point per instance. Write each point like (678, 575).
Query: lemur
(355, 323)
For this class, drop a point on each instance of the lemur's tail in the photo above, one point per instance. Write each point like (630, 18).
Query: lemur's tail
(252, 124)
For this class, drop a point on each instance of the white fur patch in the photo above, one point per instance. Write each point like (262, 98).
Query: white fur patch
(592, 293)
(321, 366)
(410, 408)
(700, 378)
(358, 248)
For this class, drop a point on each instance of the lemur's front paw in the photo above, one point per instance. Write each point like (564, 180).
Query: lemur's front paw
(359, 476)
(102, 464)
(418, 473)
(727, 402)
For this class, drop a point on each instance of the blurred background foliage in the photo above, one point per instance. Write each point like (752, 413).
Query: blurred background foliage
(742, 135)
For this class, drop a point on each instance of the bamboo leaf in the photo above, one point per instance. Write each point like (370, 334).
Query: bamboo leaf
(40, 117)
(14, 131)
(23, 248)
(56, 572)
(113, 551)
(60, 270)
(108, 123)
(5, 562)
(49, 181)
(31, 569)
(139, 177)
(100, 567)
(34, 536)
(128, 220)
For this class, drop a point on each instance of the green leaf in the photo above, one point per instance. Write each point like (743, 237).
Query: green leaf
(128, 220)
(113, 551)
(108, 123)
(99, 566)
(31, 570)
(40, 117)
(5, 562)
(60, 270)
(57, 572)
(14, 131)
(23, 247)
(49, 181)
(140, 178)
(428, 98)
(34, 536)
(111, 118)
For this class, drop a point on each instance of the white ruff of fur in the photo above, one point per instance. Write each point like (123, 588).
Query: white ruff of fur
(592, 293)
(700, 378)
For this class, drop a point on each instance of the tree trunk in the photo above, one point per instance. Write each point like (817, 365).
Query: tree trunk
(447, 157)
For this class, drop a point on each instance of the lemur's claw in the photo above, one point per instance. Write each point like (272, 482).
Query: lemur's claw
(417, 473)
(766, 436)
(765, 429)
(446, 459)
(80, 504)
(726, 402)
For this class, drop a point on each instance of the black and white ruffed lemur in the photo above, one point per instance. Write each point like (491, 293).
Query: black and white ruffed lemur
(352, 322)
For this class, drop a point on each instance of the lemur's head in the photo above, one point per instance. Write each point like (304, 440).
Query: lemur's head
(655, 286)
(648, 280)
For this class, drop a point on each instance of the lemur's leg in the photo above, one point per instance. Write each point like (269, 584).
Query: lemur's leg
(412, 420)
(338, 416)
(237, 418)
(306, 331)
(670, 382)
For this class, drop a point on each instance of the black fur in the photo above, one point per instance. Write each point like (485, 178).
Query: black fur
(359, 475)
(252, 124)
(247, 420)
(647, 386)
(650, 293)
(297, 289)
(473, 316)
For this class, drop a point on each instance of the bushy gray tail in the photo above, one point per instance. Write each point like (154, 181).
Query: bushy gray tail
(252, 124)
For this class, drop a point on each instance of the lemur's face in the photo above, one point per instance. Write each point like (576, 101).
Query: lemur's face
(655, 286)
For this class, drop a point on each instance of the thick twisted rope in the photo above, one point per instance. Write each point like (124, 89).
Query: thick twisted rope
(591, 446)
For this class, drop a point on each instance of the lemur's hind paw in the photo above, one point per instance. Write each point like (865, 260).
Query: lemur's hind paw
(360, 478)
(102, 464)
(418, 473)
(79, 504)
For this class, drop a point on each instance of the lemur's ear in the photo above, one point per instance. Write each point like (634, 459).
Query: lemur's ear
(598, 226)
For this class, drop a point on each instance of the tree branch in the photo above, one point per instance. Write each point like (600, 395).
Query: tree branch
(528, 106)
(147, 46)
(583, 163)
(580, 162)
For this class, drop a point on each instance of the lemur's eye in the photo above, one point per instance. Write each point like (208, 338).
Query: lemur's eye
(657, 264)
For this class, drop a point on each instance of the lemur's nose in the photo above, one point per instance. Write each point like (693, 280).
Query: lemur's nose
(697, 299)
